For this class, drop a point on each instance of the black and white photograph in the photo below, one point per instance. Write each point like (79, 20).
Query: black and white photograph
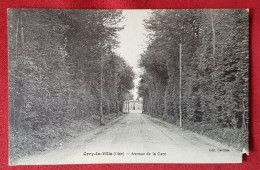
(128, 86)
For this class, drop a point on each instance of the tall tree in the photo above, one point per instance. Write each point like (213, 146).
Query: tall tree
(214, 52)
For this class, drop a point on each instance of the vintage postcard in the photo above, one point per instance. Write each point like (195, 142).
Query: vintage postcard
(127, 86)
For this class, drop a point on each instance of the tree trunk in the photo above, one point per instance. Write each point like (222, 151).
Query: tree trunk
(128, 105)
(22, 34)
(101, 121)
(213, 34)
(15, 116)
(180, 111)
(243, 116)
(115, 82)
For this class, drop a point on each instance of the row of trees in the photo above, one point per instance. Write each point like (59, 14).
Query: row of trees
(196, 66)
(62, 66)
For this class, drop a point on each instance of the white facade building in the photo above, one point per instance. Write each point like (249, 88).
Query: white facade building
(133, 105)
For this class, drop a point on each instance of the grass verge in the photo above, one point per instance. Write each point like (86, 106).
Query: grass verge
(50, 136)
(236, 138)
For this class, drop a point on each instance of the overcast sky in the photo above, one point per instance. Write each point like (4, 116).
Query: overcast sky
(133, 40)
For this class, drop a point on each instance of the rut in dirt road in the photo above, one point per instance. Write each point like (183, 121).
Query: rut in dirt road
(131, 137)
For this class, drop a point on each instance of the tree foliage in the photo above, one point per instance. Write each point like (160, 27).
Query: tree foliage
(59, 62)
(214, 59)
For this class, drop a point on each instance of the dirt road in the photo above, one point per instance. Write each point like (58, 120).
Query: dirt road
(138, 138)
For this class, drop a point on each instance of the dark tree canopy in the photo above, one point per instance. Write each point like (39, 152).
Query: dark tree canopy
(214, 67)
(62, 68)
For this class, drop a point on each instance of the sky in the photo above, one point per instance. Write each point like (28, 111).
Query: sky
(133, 40)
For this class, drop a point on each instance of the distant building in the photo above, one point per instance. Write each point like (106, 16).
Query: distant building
(133, 105)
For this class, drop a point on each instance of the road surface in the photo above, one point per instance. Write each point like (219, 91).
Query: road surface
(137, 138)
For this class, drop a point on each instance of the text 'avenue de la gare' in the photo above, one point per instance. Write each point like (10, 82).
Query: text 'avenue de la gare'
(124, 154)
